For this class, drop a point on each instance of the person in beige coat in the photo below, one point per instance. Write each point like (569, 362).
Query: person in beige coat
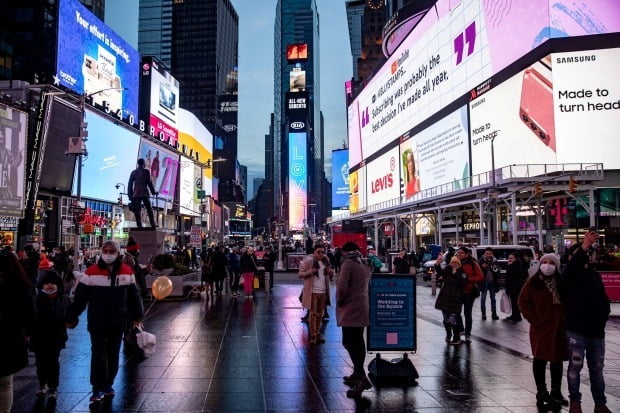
(353, 314)
(316, 272)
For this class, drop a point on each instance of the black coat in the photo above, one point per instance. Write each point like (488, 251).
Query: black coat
(16, 313)
(139, 184)
(49, 329)
(516, 276)
(450, 297)
(583, 295)
(401, 265)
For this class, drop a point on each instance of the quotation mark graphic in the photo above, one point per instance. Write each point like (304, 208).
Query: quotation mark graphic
(459, 42)
(365, 118)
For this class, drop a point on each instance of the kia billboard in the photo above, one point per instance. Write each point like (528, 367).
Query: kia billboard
(93, 60)
(160, 99)
(451, 51)
(340, 179)
(297, 181)
(164, 167)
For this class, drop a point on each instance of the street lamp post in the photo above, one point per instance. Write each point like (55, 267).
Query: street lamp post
(493, 195)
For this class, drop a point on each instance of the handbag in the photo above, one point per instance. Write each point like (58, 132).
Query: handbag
(256, 282)
(146, 341)
(505, 305)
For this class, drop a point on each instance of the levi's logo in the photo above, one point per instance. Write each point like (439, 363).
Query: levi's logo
(382, 183)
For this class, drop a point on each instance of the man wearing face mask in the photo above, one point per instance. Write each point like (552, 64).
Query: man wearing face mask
(109, 290)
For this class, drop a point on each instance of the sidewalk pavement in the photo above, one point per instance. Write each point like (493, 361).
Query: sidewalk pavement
(240, 355)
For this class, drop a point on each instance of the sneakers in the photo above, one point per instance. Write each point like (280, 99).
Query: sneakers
(601, 408)
(320, 339)
(109, 392)
(544, 401)
(575, 407)
(352, 379)
(313, 339)
(42, 390)
(484, 317)
(52, 394)
(325, 317)
(494, 316)
(97, 396)
(468, 338)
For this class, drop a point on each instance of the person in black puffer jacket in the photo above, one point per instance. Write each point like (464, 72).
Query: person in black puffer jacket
(16, 313)
(587, 311)
(516, 276)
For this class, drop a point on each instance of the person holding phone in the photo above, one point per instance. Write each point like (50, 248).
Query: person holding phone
(587, 311)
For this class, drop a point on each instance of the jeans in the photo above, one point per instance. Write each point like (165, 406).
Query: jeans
(592, 349)
(317, 309)
(489, 287)
(6, 393)
(234, 280)
(105, 348)
(468, 306)
(353, 341)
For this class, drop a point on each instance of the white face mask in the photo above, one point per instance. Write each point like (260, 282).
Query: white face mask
(108, 258)
(547, 269)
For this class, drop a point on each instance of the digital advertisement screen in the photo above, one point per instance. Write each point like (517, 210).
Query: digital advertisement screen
(297, 181)
(189, 184)
(340, 178)
(430, 69)
(112, 151)
(13, 124)
(196, 142)
(357, 188)
(437, 155)
(297, 80)
(549, 109)
(297, 105)
(297, 52)
(92, 59)
(164, 167)
(383, 177)
(164, 99)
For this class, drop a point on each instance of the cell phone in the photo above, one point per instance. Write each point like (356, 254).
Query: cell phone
(536, 107)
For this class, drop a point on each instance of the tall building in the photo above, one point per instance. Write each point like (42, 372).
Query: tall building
(198, 40)
(256, 183)
(297, 133)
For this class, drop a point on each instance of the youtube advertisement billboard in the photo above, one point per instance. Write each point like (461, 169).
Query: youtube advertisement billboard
(93, 59)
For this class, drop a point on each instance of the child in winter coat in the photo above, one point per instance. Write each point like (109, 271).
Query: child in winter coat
(49, 333)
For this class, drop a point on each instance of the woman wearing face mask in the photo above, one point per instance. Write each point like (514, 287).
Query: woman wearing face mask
(540, 304)
(109, 290)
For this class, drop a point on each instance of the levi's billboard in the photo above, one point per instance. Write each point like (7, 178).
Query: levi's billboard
(383, 178)
(452, 50)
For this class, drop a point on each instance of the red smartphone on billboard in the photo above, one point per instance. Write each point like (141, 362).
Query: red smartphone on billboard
(536, 108)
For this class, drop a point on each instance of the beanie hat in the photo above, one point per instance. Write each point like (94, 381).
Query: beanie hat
(552, 257)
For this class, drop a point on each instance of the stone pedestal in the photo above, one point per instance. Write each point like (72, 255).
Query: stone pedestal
(151, 243)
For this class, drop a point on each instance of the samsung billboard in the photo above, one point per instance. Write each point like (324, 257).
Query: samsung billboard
(449, 53)
(93, 60)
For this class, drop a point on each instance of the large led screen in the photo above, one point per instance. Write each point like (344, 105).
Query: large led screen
(357, 188)
(13, 126)
(112, 151)
(340, 179)
(297, 181)
(189, 184)
(92, 59)
(164, 167)
(437, 155)
(455, 48)
(558, 110)
(164, 100)
(196, 142)
(383, 177)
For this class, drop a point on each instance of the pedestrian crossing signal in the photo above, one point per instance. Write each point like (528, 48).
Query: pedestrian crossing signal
(572, 185)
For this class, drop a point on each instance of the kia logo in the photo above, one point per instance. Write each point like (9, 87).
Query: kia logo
(297, 125)
(229, 128)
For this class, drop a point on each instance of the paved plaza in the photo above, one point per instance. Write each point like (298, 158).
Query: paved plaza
(241, 355)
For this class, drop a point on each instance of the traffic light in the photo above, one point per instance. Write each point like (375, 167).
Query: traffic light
(538, 190)
(572, 185)
(120, 201)
(84, 130)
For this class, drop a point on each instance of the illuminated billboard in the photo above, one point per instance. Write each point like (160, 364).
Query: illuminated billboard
(297, 52)
(189, 183)
(297, 105)
(112, 151)
(297, 180)
(548, 109)
(196, 142)
(340, 178)
(297, 80)
(13, 125)
(383, 178)
(357, 188)
(160, 99)
(92, 59)
(428, 70)
(164, 166)
(436, 155)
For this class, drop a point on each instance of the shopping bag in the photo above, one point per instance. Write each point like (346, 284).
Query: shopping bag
(505, 305)
(146, 341)
(241, 280)
(256, 283)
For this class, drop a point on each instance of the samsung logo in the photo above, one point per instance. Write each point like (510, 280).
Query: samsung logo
(576, 59)
(297, 125)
